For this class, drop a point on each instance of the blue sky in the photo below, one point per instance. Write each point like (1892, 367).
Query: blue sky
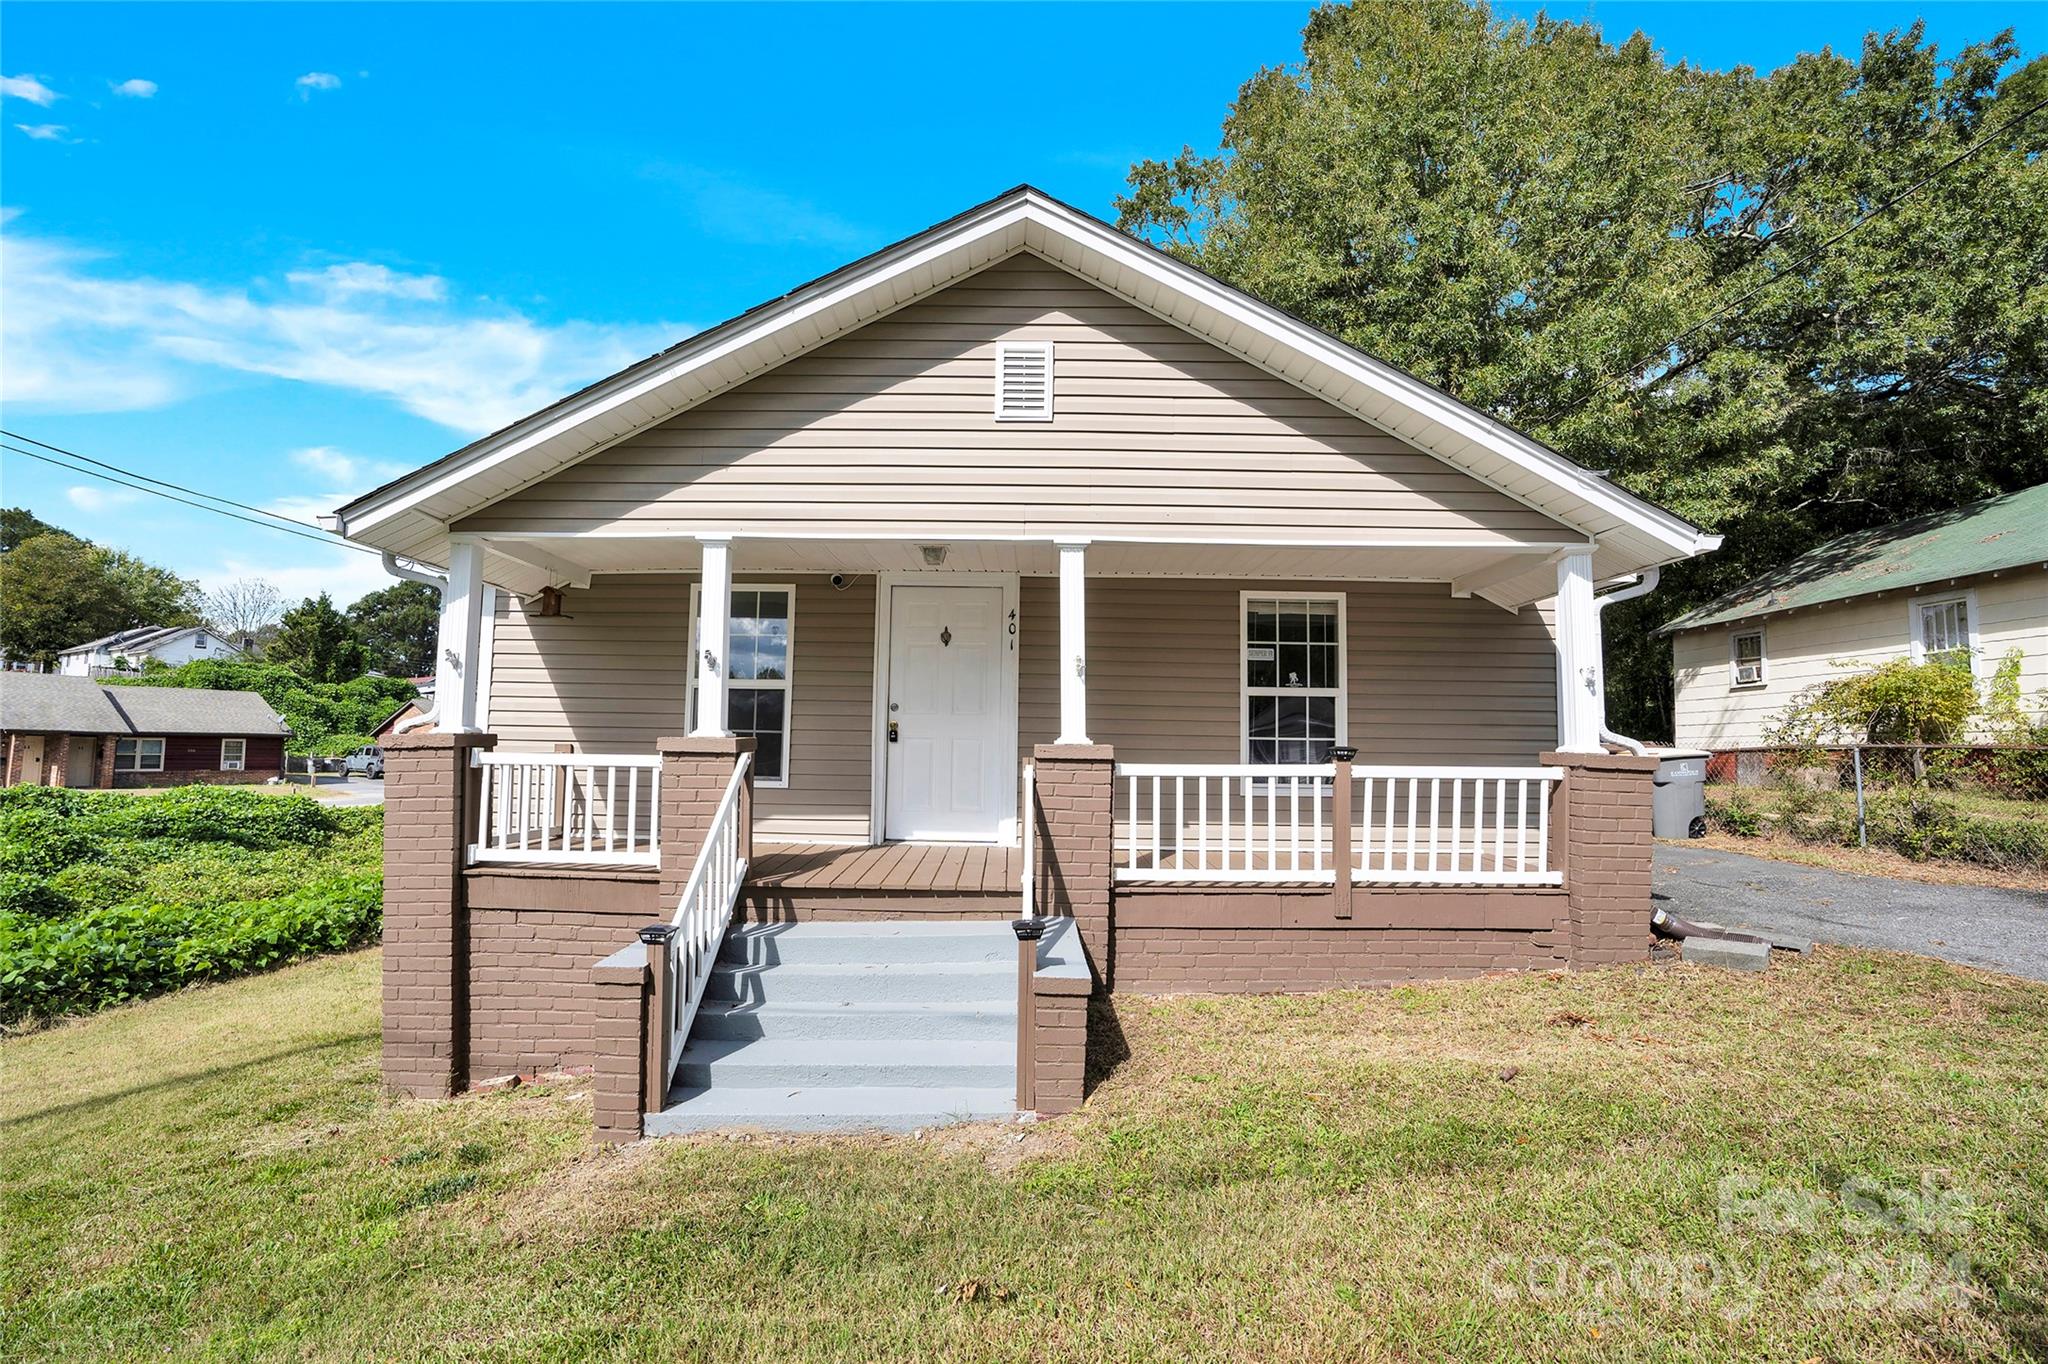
(283, 252)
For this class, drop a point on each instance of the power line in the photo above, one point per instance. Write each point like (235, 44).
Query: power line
(1792, 270)
(161, 483)
(321, 539)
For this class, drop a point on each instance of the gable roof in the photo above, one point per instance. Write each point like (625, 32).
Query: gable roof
(1982, 537)
(142, 637)
(55, 704)
(410, 515)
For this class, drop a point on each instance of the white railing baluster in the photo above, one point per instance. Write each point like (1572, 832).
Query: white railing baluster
(705, 909)
(1236, 849)
(542, 807)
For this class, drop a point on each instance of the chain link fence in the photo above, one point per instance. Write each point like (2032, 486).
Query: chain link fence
(1985, 804)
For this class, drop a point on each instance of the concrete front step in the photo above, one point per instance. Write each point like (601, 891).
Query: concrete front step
(915, 982)
(889, 941)
(892, 1108)
(809, 1062)
(988, 1021)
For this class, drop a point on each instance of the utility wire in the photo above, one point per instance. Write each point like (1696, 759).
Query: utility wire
(161, 483)
(1793, 269)
(321, 539)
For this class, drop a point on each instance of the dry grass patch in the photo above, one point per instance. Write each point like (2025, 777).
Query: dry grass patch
(1838, 1160)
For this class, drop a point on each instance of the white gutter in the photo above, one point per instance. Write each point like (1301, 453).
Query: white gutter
(440, 584)
(1643, 586)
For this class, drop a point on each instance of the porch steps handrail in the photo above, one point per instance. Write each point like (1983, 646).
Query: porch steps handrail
(1256, 823)
(704, 910)
(580, 809)
(1026, 837)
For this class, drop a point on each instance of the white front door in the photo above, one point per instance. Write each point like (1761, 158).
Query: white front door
(948, 770)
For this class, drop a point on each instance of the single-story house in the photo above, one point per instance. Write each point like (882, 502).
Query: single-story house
(1018, 571)
(405, 711)
(128, 650)
(1969, 585)
(76, 731)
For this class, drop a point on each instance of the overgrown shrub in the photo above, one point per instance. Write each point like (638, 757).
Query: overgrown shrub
(1737, 814)
(107, 897)
(78, 962)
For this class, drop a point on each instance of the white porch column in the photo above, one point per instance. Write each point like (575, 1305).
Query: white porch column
(714, 636)
(1074, 642)
(1578, 657)
(457, 648)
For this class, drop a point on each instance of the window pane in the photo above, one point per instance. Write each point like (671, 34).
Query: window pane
(1322, 622)
(1263, 751)
(1293, 720)
(768, 757)
(768, 710)
(1260, 713)
(1258, 665)
(1294, 665)
(770, 657)
(1260, 622)
(1322, 665)
(124, 748)
(1322, 717)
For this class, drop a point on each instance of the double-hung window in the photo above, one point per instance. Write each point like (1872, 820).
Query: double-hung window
(757, 673)
(1293, 661)
(138, 755)
(234, 754)
(1746, 658)
(1941, 632)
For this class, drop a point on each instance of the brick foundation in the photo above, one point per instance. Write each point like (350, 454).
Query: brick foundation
(426, 966)
(1074, 787)
(618, 991)
(1601, 831)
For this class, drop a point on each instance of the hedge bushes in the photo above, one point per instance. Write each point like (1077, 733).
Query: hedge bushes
(105, 898)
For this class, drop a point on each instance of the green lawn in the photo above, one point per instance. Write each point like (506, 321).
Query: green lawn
(1376, 1175)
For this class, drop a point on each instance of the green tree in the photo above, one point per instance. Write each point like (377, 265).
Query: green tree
(1548, 225)
(318, 642)
(57, 591)
(329, 717)
(18, 524)
(399, 625)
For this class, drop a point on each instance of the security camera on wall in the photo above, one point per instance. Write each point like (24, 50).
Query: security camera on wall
(839, 581)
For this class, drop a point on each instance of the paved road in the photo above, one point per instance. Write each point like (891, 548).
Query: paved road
(2004, 930)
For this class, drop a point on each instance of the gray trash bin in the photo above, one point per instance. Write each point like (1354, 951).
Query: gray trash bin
(1679, 808)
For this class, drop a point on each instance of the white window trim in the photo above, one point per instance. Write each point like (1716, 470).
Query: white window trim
(139, 740)
(787, 685)
(1042, 413)
(1916, 623)
(1245, 690)
(240, 762)
(1763, 660)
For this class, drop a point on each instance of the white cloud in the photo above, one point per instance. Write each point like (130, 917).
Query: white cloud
(77, 335)
(356, 277)
(46, 132)
(346, 470)
(88, 498)
(342, 574)
(135, 89)
(28, 88)
(316, 80)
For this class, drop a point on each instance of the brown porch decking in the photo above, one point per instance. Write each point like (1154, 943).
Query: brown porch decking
(948, 869)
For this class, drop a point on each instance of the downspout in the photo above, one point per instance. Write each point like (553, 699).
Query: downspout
(440, 584)
(1643, 586)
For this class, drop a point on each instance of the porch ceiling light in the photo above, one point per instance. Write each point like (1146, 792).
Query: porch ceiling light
(934, 555)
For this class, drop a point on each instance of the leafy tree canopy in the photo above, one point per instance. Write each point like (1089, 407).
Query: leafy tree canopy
(326, 717)
(399, 625)
(18, 524)
(318, 642)
(1549, 225)
(57, 591)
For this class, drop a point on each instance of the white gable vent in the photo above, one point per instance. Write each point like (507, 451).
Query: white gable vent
(1024, 381)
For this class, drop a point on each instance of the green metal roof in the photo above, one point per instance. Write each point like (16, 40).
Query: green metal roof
(1999, 532)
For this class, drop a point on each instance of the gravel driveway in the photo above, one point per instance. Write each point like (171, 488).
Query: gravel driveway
(2004, 930)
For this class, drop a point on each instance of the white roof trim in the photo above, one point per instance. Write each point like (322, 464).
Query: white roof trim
(397, 516)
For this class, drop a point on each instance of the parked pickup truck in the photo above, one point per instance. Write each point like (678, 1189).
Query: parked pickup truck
(368, 761)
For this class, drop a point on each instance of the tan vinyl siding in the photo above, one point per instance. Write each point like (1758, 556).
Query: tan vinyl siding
(1802, 649)
(1430, 679)
(892, 431)
(608, 675)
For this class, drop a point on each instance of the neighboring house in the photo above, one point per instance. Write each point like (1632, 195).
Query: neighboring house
(75, 731)
(10, 664)
(419, 705)
(1018, 567)
(129, 650)
(1969, 584)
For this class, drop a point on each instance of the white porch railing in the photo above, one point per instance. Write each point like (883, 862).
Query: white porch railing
(597, 809)
(704, 912)
(1241, 822)
(1027, 834)
(1198, 823)
(1455, 826)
